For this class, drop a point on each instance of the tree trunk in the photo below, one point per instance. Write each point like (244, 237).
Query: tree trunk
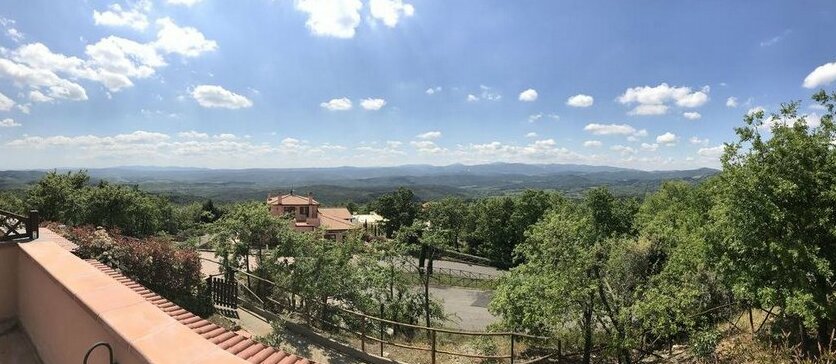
(587, 330)
(427, 274)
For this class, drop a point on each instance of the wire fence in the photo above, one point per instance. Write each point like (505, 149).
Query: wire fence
(375, 332)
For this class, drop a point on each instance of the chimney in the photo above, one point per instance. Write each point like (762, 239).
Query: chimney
(310, 198)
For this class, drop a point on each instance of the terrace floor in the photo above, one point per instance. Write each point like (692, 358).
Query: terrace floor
(15, 347)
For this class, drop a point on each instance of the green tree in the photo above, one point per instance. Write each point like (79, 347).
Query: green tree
(775, 241)
(400, 208)
(447, 214)
(56, 196)
(244, 227)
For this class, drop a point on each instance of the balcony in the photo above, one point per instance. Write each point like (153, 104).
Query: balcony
(55, 306)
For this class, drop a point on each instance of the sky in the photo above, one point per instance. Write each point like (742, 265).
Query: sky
(653, 85)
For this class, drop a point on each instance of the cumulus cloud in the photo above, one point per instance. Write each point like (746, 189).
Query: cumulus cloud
(55, 86)
(430, 135)
(185, 41)
(116, 16)
(692, 115)
(821, 76)
(427, 147)
(697, 141)
(390, 11)
(6, 103)
(8, 123)
(592, 143)
(433, 90)
(340, 104)
(731, 102)
(655, 100)
(534, 117)
(331, 18)
(668, 139)
(647, 147)
(37, 96)
(213, 96)
(529, 95)
(580, 100)
(11, 32)
(486, 93)
(531, 135)
(713, 152)
(545, 150)
(624, 150)
(755, 110)
(611, 129)
(372, 104)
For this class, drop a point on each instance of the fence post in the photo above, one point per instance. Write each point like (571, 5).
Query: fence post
(381, 330)
(512, 348)
(32, 224)
(432, 348)
(363, 333)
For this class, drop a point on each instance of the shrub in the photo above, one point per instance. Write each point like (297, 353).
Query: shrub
(170, 271)
(704, 343)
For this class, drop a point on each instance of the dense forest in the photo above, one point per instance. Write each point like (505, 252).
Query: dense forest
(617, 278)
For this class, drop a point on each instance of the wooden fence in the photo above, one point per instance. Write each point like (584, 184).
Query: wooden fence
(16, 227)
(370, 329)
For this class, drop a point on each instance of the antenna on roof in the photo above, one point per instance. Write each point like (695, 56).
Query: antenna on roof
(291, 190)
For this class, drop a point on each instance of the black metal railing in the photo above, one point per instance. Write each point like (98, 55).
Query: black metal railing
(18, 227)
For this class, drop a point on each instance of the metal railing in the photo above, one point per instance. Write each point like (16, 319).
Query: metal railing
(369, 328)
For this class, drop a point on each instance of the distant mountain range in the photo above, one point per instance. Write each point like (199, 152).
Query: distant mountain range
(360, 184)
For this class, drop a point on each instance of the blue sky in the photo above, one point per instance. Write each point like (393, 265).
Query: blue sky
(260, 83)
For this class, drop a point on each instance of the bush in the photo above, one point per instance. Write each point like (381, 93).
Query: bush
(704, 343)
(171, 272)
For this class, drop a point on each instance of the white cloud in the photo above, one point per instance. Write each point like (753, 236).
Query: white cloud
(191, 134)
(592, 143)
(117, 60)
(186, 41)
(6, 103)
(116, 16)
(697, 141)
(433, 90)
(580, 100)
(822, 75)
(427, 147)
(668, 139)
(624, 150)
(8, 123)
(531, 135)
(534, 117)
(647, 147)
(731, 102)
(11, 32)
(486, 93)
(390, 11)
(610, 129)
(182, 2)
(24, 108)
(331, 18)
(37, 96)
(529, 95)
(56, 87)
(340, 104)
(654, 100)
(692, 115)
(213, 96)
(772, 41)
(372, 104)
(714, 152)
(430, 135)
(649, 109)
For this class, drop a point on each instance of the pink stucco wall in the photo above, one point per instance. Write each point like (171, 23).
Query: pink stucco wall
(8, 280)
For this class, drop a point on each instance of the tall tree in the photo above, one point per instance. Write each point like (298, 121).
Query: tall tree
(399, 208)
(776, 214)
(57, 197)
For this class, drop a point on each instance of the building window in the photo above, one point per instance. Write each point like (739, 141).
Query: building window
(304, 210)
(289, 210)
(331, 236)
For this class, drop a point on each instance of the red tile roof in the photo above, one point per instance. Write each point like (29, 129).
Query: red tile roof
(237, 344)
(335, 218)
(291, 200)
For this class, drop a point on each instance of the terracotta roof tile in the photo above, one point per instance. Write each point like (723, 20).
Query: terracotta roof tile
(335, 218)
(237, 344)
(290, 200)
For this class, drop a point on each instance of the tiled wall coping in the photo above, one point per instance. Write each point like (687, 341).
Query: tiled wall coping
(145, 331)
